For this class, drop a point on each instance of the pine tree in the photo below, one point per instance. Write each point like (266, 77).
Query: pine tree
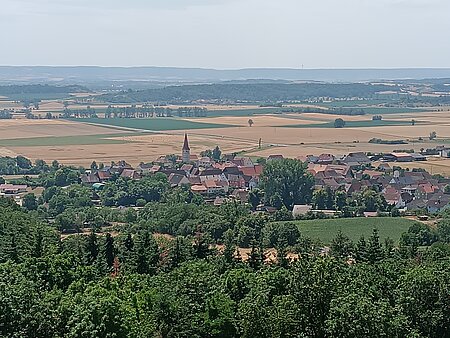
(341, 245)
(374, 248)
(230, 247)
(109, 250)
(92, 247)
(129, 244)
(147, 253)
(361, 250)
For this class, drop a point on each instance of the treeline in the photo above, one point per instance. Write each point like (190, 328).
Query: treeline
(138, 284)
(332, 111)
(151, 111)
(5, 114)
(18, 165)
(133, 111)
(258, 92)
(40, 89)
(381, 141)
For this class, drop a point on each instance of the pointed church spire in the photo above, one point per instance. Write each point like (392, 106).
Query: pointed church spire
(186, 151)
(186, 143)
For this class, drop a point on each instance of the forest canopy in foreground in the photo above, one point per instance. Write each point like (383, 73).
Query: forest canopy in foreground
(139, 285)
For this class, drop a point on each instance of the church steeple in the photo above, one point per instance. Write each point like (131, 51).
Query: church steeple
(186, 143)
(186, 151)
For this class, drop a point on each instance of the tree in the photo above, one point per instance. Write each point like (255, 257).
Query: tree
(446, 188)
(229, 246)
(361, 250)
(289, 179)
(341, 245)
(339, 123)
(374, 248)
(92, 247)
(94, 166)
(2, 180)
(356, 315)
(319, 199)
(340, 200)
(23, 162)
(109, 250)
(443, 230)
(29, 202)
(254, 197)
(216, 153)
(250, 122)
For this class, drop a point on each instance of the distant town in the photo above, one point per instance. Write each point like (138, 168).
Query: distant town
(223, 177)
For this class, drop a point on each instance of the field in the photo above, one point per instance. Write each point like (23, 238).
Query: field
(80, 141)
(326, 229)
(153, 124)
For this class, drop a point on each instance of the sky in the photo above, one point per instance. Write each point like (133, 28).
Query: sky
(226, 34)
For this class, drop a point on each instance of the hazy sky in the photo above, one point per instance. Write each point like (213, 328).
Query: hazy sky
(226, 33)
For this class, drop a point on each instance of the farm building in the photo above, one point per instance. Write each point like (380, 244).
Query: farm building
(398, 157)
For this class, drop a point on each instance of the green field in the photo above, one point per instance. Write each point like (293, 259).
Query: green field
(326, 229)
(355, 124)
(154, 124)
(65, 140)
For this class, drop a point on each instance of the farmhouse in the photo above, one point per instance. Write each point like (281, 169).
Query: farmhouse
(12, 189)
(356, 159)
(444, 152)
(398, 157)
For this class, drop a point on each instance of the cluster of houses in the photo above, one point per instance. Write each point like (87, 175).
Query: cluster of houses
(406, 190)
(235, 176)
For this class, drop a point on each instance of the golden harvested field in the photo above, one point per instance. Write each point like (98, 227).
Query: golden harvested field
(23, 128)
(258, 120)
(138, 149)
(6, 104)
(433, 165)
(274, 130)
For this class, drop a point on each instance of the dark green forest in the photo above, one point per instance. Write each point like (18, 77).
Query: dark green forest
(40, 89)
(138, 285)
(173, 266)
(250, 92)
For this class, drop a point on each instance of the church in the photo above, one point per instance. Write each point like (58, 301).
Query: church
(186, 151)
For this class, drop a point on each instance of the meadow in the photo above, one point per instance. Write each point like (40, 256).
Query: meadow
(326, 229)
(153, 124)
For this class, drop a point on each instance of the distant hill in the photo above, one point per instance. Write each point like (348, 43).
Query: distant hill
(116, 75)
(36, 92)
(40, 89)
(250, 92)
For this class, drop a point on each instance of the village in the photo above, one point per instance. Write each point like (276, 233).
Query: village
(233, 177)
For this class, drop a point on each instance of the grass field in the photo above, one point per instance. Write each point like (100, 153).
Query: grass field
(326, 229)
(156, 124)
